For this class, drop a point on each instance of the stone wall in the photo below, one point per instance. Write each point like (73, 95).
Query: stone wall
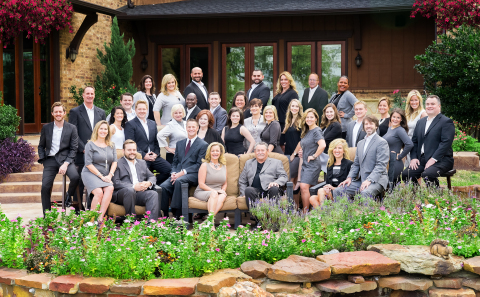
(383, 270)
(86, 67)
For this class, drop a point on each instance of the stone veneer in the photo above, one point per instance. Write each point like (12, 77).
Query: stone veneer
(363, 273)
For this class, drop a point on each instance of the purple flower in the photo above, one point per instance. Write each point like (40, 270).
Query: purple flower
(208, 261)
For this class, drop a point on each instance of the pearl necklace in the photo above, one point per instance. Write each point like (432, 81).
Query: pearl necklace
(216, 166)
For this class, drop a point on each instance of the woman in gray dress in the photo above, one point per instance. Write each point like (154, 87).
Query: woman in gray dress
(344, 100)
(255, 124)
(175, 130)
(397, 138)
(272, 131)
(100, 165)
(212, 178)
(312, 145)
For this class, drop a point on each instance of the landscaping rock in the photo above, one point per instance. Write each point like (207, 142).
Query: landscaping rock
(346, 287)
(472, 265)
(472, 283)
(181, 286)
(256, 268)
(212, 283)
(361, 262)
(8, 275)
(20, 292)
(466, 161)
(67, 284)
(227, 292)
(451, 293)
(299, 269)
(401, 293)
(37, 281)
(283, 288)
(43, 293)
(405, 283)
(417, 259)
(356, 279)
(249, 289)
(127, 287)
(96, 285)
(448, 282)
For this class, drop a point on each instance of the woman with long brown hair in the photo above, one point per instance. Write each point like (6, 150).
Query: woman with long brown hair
(383, 109)
(331, 126)
(285, 92)
(146, 91)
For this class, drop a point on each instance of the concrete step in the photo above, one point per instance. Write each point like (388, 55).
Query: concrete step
(29, 177)
(27, 187)
(37, 167)
(9, 198)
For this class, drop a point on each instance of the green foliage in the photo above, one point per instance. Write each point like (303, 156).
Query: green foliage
(464, 143)
(301, 65)
(331, 67)
(451, 70)
(235, 73)
(9, 120)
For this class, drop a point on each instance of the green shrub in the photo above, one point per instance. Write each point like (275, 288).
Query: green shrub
(464, 143)
(9, 120)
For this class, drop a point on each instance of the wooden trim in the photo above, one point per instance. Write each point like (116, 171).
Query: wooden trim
(36, 87)
(182, 84)
(88, 22)
(55, 62)
(19, 94)
(289, 54)
(224, 68)
(188, 67)
(88, 8)
(275, 60)
(319, 57)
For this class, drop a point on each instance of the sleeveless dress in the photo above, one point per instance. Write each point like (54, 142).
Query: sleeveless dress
(234, 140)
(118, 138)
(215, 179)
(309, 143)
(411, 127)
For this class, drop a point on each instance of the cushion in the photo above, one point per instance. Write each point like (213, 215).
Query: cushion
(232, 175)
(242, 203)
(283, 158)
(230, 203)
(119, 210)
(351, 152)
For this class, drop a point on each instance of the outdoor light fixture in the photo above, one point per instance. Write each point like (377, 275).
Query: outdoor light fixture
(71, 54)
(358, 60)
(144, 64)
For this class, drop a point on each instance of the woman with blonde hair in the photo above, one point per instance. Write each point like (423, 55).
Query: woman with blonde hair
(331, 126)
(338, 167)
(414, 110)
(100, 165)
(167, 98)
(212, 178)
(271, 133)
(286, 91)
(383, 108)
(175, 130)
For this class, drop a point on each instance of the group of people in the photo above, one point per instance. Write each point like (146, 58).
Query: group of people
(314, 132)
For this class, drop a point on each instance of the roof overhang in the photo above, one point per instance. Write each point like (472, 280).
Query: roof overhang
(90, 8)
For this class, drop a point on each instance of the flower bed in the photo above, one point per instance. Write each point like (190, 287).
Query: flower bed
(64, 243)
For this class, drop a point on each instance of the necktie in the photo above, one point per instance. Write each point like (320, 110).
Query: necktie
(188, 147)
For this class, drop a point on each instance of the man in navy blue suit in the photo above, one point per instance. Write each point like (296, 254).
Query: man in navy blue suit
(144, 132)
(186, 162)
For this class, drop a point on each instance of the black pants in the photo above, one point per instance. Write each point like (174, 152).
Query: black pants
(128, 197)
(429, 175)
(169, 157)
(344, 135)
(252, 194)
(50, 171)
(79, 163)
(162, 169)
(175, 192)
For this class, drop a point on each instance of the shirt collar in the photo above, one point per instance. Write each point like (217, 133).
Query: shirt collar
(212, 110)
(314, 88)
(142, 121)
(192, 140)
(370, 137)
(134, 161)
(198, 84)
(89, 108)
(188, 109)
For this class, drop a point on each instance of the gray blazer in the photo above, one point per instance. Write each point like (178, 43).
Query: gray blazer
(360, 135)
(122, 177)
(372, 165)
(272, 171)
(220, 116)
(346, 105)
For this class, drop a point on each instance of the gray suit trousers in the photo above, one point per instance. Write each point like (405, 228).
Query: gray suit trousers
(372, 190)
(128, 197)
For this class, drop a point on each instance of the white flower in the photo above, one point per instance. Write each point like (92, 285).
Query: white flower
(168, 243)
(82, 260)
(352, 230)
(189, 233)
(459, 247)
(89, 224)
(429, 205)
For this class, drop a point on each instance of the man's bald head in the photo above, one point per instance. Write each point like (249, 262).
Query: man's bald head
(191, 100)
(197, 74)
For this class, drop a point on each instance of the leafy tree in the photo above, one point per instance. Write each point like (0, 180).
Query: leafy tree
(331, 67)
(235, 73)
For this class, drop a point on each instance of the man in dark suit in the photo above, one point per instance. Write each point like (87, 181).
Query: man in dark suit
(84, 117)
(432, 153)
(219, 114)
(355, 130)
(134, 184)
(186, 162)
(314, 96)
(56, 151)
(192, 109)
(198, 88)
(259, 90)
(144, 132)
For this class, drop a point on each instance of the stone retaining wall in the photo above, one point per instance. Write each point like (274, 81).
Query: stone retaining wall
(383, 270)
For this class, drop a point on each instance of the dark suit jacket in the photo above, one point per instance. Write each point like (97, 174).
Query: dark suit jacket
(438, 139)
(122, 178)
(344, 170)
(194, 113)
(220, 116)
(134, 131)
(318, 101)
(78, 116)
(360, 135)
(332, 132)
(202, 102)
(262, 92)
(68, 143)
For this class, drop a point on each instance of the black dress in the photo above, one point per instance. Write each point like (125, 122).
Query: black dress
(383, 127)
(234, 140)
(271, 135)
(281, 102)
(151, 103)
(292, 138)
(212, 136)
(332, 132)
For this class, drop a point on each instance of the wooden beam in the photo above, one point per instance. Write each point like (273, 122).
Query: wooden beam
(357, 32)
(19, 86)
(88, 22)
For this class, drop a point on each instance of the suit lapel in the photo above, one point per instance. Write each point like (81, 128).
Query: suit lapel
(83, 112)
(265, 165)
(360, 149)
(374, 139)
(96, 115)
(64, 131)
(200, 91)
(190, 151)
(127, 167)
(140, 127)
(434, 122)
(150, 127)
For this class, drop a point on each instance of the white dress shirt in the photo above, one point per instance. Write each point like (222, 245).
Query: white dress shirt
(427, 125)
(189, 111)
(367, 141)
(133, 170)
(310, 94)
(56, 137)
(91, 114)
(253, 88)
(145, 127)
(355, 132)
(200, 85)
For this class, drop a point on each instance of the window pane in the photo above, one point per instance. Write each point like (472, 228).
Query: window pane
(170, 63)
(29, 97)
(9, 75)
(235, 72)
(263, 60)
(301, 66)
(45, 81)
(331, 66)
(199, 58)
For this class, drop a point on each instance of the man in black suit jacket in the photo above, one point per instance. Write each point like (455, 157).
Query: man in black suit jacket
(84, 117)
(198, 88)
(147, 144)
(432, 153)
(56, 151)
(259, 90)
(218, 112)
(314, 96)
(192, 109)
(186, 162)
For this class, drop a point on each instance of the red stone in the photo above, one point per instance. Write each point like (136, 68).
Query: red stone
(183, 286)
(356, 279)
(37, 281)
(346, 287)
(448, 282)
(298, 269)
(96, 285)
(127, 287)
(361, 262)
(67, 284)
(451, 293)
(8, 275)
